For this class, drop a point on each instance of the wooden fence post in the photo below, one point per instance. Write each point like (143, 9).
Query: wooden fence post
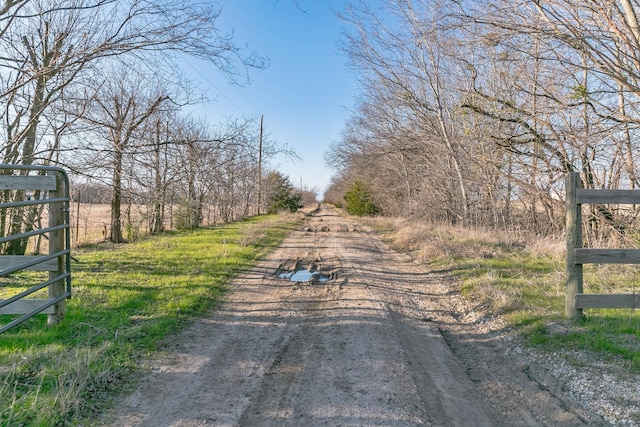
(574, 240)
(56, 244)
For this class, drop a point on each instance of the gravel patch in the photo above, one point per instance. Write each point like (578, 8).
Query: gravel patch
(607, 389)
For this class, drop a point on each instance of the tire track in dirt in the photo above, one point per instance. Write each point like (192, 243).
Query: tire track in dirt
(446, 394)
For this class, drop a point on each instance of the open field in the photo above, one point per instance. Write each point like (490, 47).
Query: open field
(90, 221)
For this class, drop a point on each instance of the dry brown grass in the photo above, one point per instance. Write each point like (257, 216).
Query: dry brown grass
(89, 223)
(498, 272)
(553, 246)
(427, 242)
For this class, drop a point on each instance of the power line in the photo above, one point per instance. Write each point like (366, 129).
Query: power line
(206, 80)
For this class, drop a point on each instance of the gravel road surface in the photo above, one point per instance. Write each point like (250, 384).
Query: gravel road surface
(334, 328)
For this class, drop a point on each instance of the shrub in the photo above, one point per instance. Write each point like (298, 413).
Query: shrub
(280, 194)
(360, 200)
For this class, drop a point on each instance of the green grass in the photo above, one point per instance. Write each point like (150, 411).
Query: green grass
(530, 292)
(127, 300)
(524, 282)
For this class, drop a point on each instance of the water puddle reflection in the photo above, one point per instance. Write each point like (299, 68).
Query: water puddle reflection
(304, 276)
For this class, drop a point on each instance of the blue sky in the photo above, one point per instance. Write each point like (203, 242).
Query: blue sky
(303, 94)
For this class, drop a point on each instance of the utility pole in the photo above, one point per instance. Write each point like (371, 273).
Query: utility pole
(260, 166)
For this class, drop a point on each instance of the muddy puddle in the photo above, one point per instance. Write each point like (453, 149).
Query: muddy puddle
(300, 270)
(304, 276)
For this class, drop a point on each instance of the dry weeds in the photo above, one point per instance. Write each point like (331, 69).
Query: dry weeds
(427, 242)
(498, 272)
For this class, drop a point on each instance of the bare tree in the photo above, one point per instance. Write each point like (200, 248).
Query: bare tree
(158, 164)
(409, 75)
(566, 108)
(48, 48)
(118, 111)
(53, 47)
(220, 166)
(481, 107)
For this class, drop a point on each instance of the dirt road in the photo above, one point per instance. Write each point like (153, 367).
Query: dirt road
(357, 343)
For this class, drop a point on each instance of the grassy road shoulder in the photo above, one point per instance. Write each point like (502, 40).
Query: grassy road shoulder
(522, 281)
(127, 300)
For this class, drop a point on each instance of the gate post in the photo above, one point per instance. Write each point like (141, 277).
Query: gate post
(574, 240)
(56, 244)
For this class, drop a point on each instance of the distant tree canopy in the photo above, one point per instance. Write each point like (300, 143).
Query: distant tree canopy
(280, 194)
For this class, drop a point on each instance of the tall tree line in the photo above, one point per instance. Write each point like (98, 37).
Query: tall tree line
(93, 85)
(471, 112)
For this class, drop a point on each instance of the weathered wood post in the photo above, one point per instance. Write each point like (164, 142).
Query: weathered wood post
(56, 244)
(574, 240)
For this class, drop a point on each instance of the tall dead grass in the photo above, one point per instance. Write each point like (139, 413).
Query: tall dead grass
(497, 272)
(427, 242)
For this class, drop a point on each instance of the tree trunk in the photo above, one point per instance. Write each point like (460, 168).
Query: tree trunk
(116, 201)
(157, 215)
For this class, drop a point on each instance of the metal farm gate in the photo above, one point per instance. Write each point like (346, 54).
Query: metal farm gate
(34, 187)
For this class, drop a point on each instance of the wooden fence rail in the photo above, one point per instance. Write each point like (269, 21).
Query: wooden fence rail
(576, 300)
